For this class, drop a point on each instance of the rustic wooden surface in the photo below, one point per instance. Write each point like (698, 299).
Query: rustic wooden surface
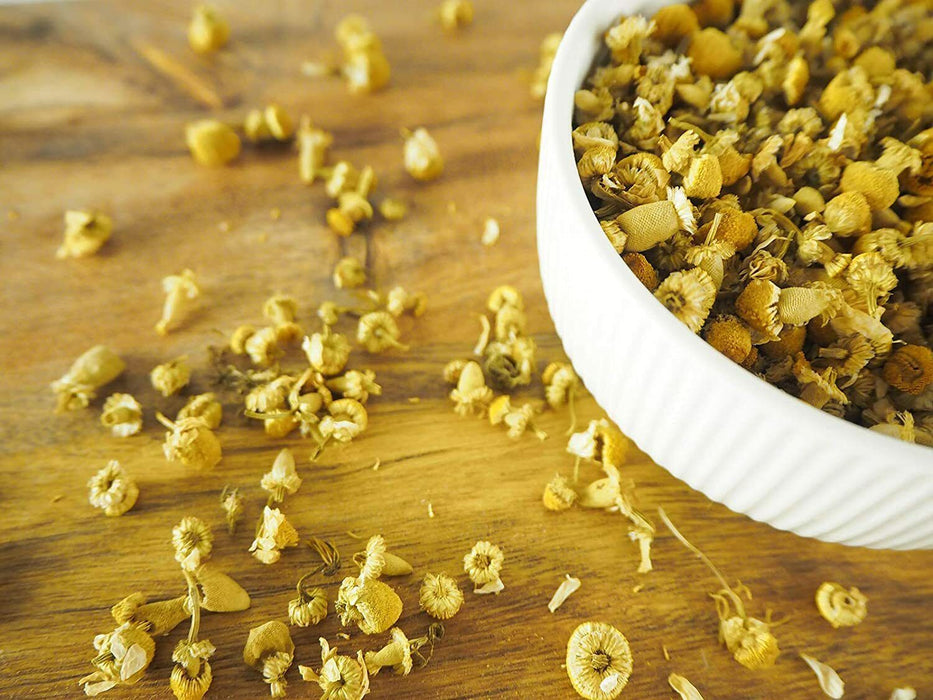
(85, 121)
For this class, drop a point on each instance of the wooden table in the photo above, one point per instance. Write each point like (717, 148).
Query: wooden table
(87, 121)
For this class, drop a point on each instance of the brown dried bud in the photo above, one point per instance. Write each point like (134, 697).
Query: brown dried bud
(910, 369)
(642, 269)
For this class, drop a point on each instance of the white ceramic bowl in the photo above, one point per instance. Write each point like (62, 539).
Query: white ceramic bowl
(722, 430)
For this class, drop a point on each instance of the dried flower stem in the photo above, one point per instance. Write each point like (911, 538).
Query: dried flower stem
(705, 559)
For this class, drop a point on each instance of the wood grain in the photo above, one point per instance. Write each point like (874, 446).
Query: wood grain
(85, 121)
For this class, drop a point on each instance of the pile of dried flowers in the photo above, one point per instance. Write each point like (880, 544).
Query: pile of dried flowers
(764, 169)
(326, 401)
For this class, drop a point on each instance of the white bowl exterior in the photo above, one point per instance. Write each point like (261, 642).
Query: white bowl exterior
(722, 430)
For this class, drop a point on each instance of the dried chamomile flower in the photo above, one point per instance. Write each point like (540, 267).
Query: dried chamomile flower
(239, 338)
(748, 639)
(455, 14)
(440, 596)
(270, 650)
(193, 542)
(343, 177)
(490, 232)
(191, 442)
(471, 394)
(848, 214)
(269, 124)
(870, 277)
(689, 295)
(795, 82)
(122, 414)
(483, 565)
(713, 53)
(368, 603)
(309, 608)
(567, 588)
(85, 232)
(313, 147)
(365, 66)
(879, 185)
(208, 30)
(400, 301)
(349, 273)
(848, 355)
(505, 295)
(423, 159)
(280, 309)
(642, 269)
(203, 406)
(375, 561)
(397, 654)
(898, 156)
(352, 208)
(191, 675)
(830, 682)
(704, 177)
(327, 352)
(78, 386)
(560, 383)
(897, 424)
(678, 155)
(601, 442)
(647, 225)
(211, 142)
(392, 209)
(171, 377)
(340, 677)
(683, 687)
(112, 490)
(274, 534)
(282, 479)
(558, 494)
(817, 388)
(510, 364)
(122, 659)
(517, 420)
(270, 396)
(355, 384)
(674, 23)
(730, 337)
(625, 38)
(156, 618)
(599, 661)
(910, 369)
(231, 502)
(180, 291)
(377, 331)
(839, 606)
(346, 420)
